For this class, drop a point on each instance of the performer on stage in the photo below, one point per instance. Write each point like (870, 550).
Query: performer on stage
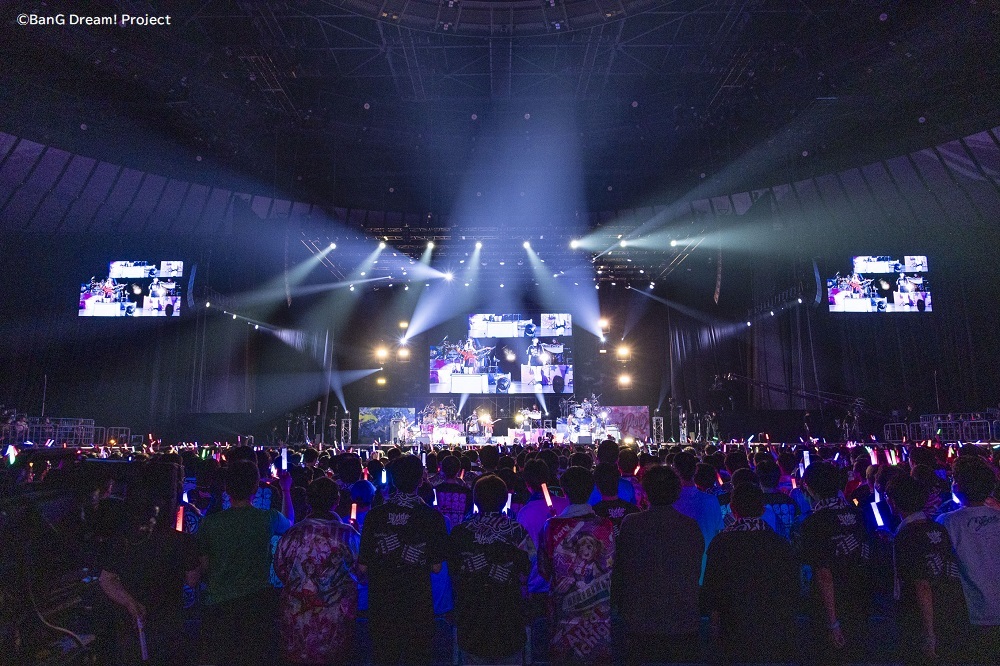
(535, 353)
(469, 356)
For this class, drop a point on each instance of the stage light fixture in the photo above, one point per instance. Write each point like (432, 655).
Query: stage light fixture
(449, 276)
(544, 356)
(234, 317)
(673, 243)
(381, 353)
(623, 243)
(404, 324)
(208, 304)
(430, 245)
(380, 381)
(256, 327)
(333, 246)
(381, 245)
(623, 353)
(573, 244)
(352, 287)
(501, 285)
(800, 301)
(749, 324)
(479, 245)
(624, 381)
(403, 354)
(604, 324)
(526, 245)
(511, 357)
(772, 313)
(519, 419)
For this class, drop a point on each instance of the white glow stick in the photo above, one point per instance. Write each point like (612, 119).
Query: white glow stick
(435, 497)
(423, 459)
(954, 498)
(184, 496)
(354, 513)
(11, 454)
(802, 469)
(385, 477)
(284, 460)
(873, 454)
(878, 515)
(506, 508)
(805, 459)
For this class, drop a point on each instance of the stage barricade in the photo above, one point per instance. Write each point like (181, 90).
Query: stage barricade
(976, 431)
(896, 432)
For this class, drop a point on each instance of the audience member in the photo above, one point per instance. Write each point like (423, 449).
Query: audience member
(453, 494)
(235, 545)
(932, 614)
(145, 575)
(489, 557)
(316, 561)
(402, 543)
(751, 585)
(836, 548)
(656, 573)
(576, 553)
(974, 531)
(696, 504)
(611, 506)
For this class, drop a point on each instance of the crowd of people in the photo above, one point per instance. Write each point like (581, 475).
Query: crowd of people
(563, 555)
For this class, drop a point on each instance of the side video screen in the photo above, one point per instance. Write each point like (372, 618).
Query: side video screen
(881, 284)
(134, 289)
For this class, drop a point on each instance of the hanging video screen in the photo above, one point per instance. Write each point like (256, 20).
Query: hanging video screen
(505, 353)
(134, 289)
(881, 284)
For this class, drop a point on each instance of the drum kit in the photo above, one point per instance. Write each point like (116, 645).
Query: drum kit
(587, 413)
(464, 354)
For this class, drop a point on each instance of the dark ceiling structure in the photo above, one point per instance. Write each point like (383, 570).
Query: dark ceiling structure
(389, 104)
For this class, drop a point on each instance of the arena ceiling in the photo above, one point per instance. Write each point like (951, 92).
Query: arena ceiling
(389, 104)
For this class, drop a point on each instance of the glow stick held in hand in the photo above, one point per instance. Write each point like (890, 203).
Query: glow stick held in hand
(284, 460)
(385, 477)
(878, 515)
(354, 513)
(805, 460)
(179, 524)
(545, 493)
(506, 508)
(143, 648)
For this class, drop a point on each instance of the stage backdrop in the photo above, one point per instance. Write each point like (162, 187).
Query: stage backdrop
(374, 422)
(631, 421)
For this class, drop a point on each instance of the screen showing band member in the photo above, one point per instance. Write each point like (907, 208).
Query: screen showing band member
(134, 289)
(881, 284)
(505, 353)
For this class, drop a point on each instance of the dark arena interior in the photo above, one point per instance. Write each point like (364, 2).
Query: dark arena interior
(499, 332)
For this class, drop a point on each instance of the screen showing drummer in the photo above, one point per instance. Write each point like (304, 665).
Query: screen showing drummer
(881, 283)
(505, 353)
(134, 289)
